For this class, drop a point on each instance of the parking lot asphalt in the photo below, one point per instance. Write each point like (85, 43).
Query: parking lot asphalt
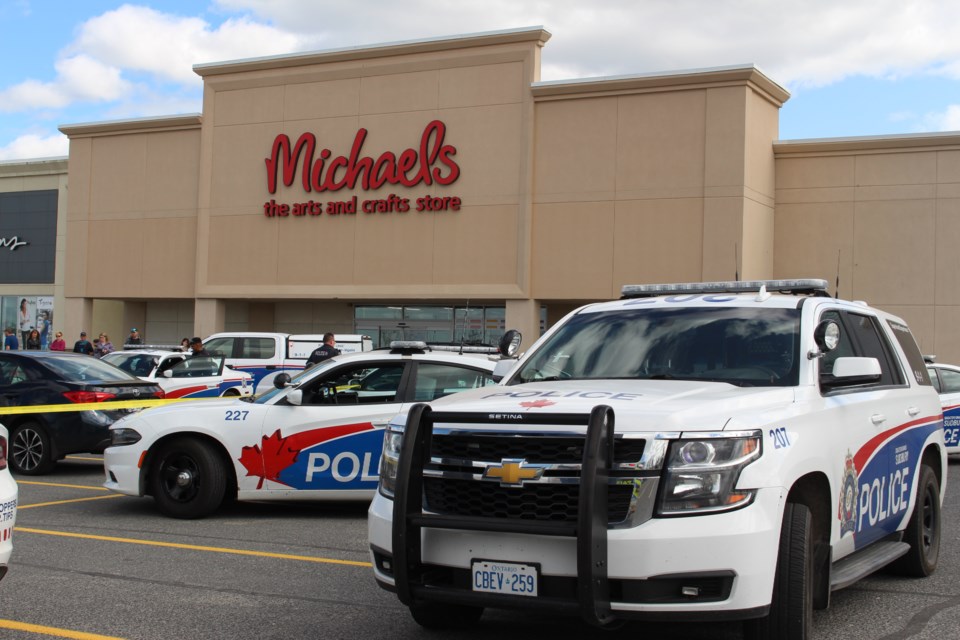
(93, 565)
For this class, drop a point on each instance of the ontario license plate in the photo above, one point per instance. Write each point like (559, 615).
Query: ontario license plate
(504, 577)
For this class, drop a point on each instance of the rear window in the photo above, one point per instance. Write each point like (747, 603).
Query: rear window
(918, 367)
(86, 368)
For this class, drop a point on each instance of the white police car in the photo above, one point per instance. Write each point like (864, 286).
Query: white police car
(8, 504)
(317, 436)
(181, 375)
(695, 451)
(946, 380)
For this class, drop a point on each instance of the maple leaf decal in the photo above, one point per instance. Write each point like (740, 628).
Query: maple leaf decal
(267, 462)
(275, 452)
(536, 404)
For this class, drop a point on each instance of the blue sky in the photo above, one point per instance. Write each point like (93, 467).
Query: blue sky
(854, 68)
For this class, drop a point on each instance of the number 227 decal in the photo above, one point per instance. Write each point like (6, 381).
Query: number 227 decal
(236, 415)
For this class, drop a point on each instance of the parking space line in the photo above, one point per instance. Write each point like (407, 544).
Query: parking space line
(195, 547)
(57, 484)
(53, 631)
(85, 459)
(49, 504)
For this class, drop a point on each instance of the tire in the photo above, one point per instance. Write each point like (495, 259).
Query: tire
(791, 607)
(231, 393)
(923, 530)
(30, 452)
(445, 616)
(188, 479)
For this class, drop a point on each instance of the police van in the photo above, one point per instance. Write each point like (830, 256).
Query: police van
(733, 450)
(263, 353)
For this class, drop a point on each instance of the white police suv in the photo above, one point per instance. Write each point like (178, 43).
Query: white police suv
(699, 451)
(317, 436)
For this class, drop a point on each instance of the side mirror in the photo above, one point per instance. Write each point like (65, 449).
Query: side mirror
(502, 368)
(281, 380)
(510, 343)
(295, 397)
(850, 371)
(167, 374)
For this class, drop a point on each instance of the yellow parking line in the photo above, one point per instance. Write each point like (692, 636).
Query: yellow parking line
(84, 459)
(49, 504)
(57, 484)
(194, 547)
(53, 631)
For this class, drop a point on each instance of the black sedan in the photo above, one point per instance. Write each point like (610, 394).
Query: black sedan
(32, 378)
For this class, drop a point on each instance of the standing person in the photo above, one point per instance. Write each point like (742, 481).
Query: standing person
(105, 345)
(327, 350)
(196, 346)
(83, 345)
(44, 329)
(33, 340)
(10, 342)
(24, 319)
(134, 337)
(185, 345)
(58, 343)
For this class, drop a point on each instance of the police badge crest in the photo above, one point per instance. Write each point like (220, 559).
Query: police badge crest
(848, 498)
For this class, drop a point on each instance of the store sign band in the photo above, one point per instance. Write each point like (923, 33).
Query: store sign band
(430, 163)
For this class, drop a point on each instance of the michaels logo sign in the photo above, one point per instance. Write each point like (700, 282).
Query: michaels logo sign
(12, 243)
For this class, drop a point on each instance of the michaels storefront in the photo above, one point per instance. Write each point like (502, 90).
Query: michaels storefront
(438, 189)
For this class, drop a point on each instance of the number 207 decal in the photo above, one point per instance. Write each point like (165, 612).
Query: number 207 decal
(780, 438)
(236, 415)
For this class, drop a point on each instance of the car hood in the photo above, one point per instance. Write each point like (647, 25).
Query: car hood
(638, 405)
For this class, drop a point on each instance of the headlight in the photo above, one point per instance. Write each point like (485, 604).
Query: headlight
(702, 473)
(392, 439)
(123, 436)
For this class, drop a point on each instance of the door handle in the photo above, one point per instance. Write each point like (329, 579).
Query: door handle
(913, 411)
(878, 418)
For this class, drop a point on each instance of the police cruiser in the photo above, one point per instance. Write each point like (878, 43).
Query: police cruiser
(317, 436)
(732, 450)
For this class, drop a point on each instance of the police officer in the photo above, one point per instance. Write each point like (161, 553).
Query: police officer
(196, 348)
(327, 350)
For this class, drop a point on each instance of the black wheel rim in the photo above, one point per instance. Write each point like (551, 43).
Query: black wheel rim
(180, 478)
(27, 449)
(928, 525)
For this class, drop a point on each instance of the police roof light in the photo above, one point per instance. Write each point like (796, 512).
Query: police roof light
(804, 286)
(408, 345)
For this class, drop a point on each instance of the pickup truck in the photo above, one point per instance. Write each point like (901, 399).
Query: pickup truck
(262, 353)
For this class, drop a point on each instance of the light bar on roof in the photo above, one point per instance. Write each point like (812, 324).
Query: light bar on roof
(805, 286)
(409, 344)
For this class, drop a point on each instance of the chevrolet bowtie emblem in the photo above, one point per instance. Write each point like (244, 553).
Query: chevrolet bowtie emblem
(512, 472)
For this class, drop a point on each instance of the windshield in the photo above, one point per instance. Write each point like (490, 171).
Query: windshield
(87, 368)
(138, 364)
(737, 345)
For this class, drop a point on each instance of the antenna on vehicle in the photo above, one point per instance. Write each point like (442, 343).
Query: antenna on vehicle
(736, 262)
(836, 293)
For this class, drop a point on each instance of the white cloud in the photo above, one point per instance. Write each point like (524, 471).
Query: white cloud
(798, 42)
(34, 146)
(143, 40)
(948, 120)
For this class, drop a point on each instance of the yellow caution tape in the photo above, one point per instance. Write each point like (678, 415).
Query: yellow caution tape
(94, 406)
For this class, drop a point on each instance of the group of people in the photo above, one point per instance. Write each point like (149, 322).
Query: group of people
(31, 340)
(100, 346)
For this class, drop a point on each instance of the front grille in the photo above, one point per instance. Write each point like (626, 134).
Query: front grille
(453, 484)
(533, 449)
(545, 502)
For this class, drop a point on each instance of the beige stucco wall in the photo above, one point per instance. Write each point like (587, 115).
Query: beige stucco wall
(887, 212)
(652, 179)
